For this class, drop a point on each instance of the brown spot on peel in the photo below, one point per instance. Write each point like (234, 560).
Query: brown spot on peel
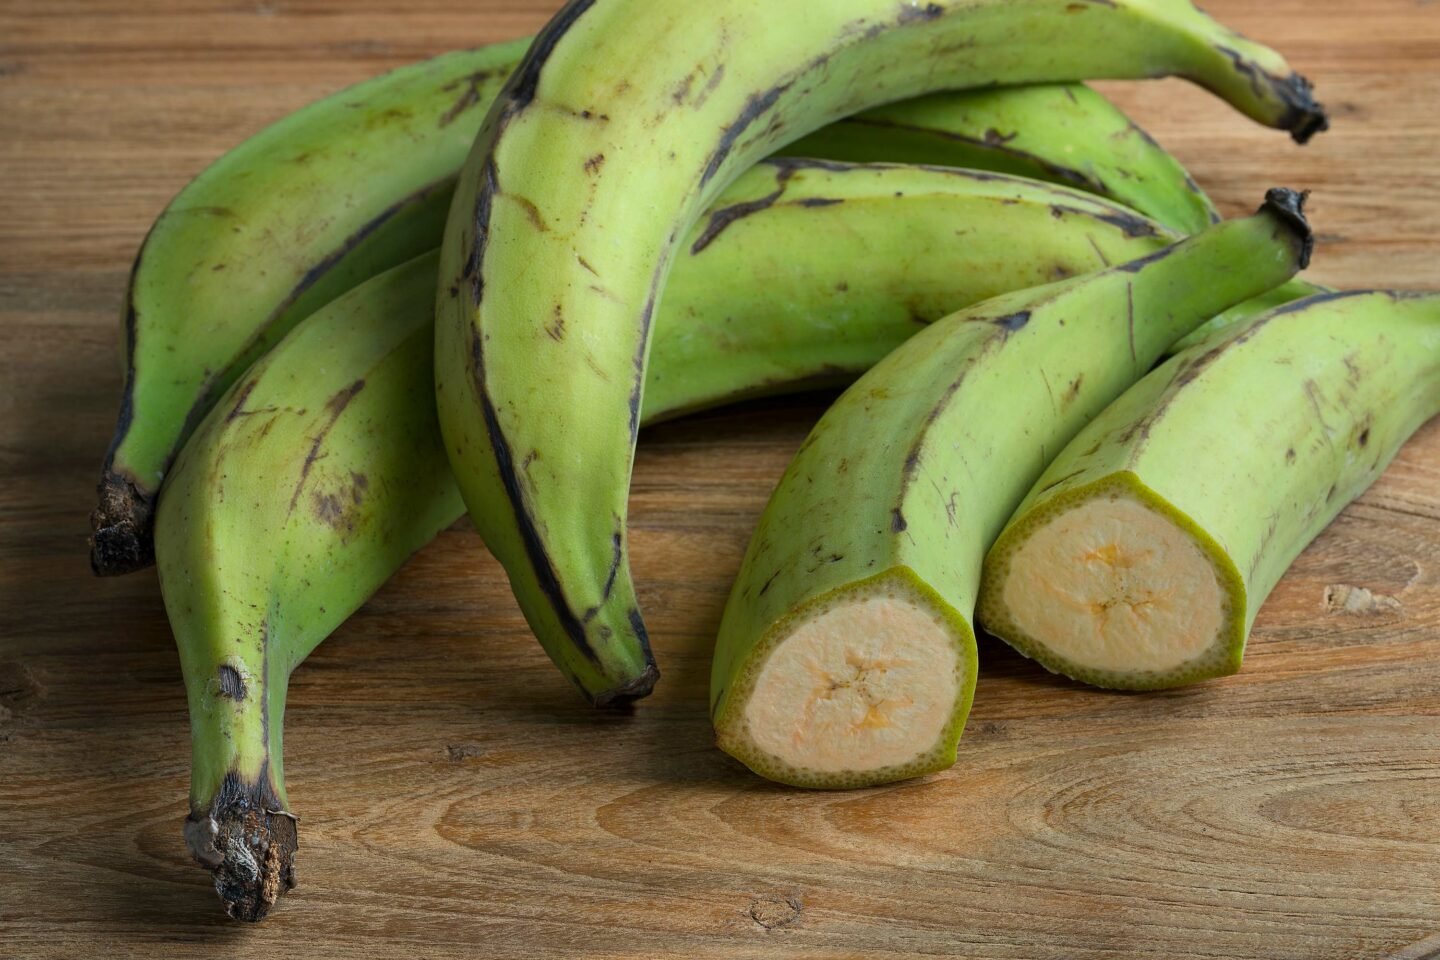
(532, 212)
(232, 685)
(468, 98)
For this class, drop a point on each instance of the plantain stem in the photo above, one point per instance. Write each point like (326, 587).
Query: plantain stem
(120, 539)
(248, 842)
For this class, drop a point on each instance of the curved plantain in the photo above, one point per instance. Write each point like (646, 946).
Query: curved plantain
(361, 181)
(1060, 132)
(624, 121)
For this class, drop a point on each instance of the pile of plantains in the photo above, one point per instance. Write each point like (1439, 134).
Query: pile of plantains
(1086, 408)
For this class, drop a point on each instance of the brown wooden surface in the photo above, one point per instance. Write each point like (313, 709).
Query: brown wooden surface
(457, 800)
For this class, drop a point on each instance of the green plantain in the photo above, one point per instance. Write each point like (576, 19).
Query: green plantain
(622, 124)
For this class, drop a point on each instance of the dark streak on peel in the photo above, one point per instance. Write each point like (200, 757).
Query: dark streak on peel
(715, 77)
(1296, 306)
(1068, 175)
(637, 626)
(468, 98)
(484, 203)
(725, 216)
(315, 273)
(237, 408)
(637, 390)
(787, 166)
(336, 405)
(520, 91)
(1139, 264)
(617, 540)
(1132, 225)
(532, 212)
(1303, 116)
(1059, 480)
(1099, 253)
(756, 107)
(1263, 549)
(545, 575)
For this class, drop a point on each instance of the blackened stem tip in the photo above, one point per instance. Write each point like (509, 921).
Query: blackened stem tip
(1288, 206)
(249, 846)
(121, 534)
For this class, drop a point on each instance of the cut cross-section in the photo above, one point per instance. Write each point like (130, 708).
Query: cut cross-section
(861, 687)
(1110, 585)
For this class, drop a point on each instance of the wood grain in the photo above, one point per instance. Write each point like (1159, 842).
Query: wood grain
(458, 800)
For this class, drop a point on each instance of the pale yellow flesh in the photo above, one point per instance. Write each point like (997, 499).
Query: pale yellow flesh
(1111, 585)
(864, 683)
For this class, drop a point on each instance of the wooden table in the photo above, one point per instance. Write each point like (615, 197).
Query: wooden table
(457, 798)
